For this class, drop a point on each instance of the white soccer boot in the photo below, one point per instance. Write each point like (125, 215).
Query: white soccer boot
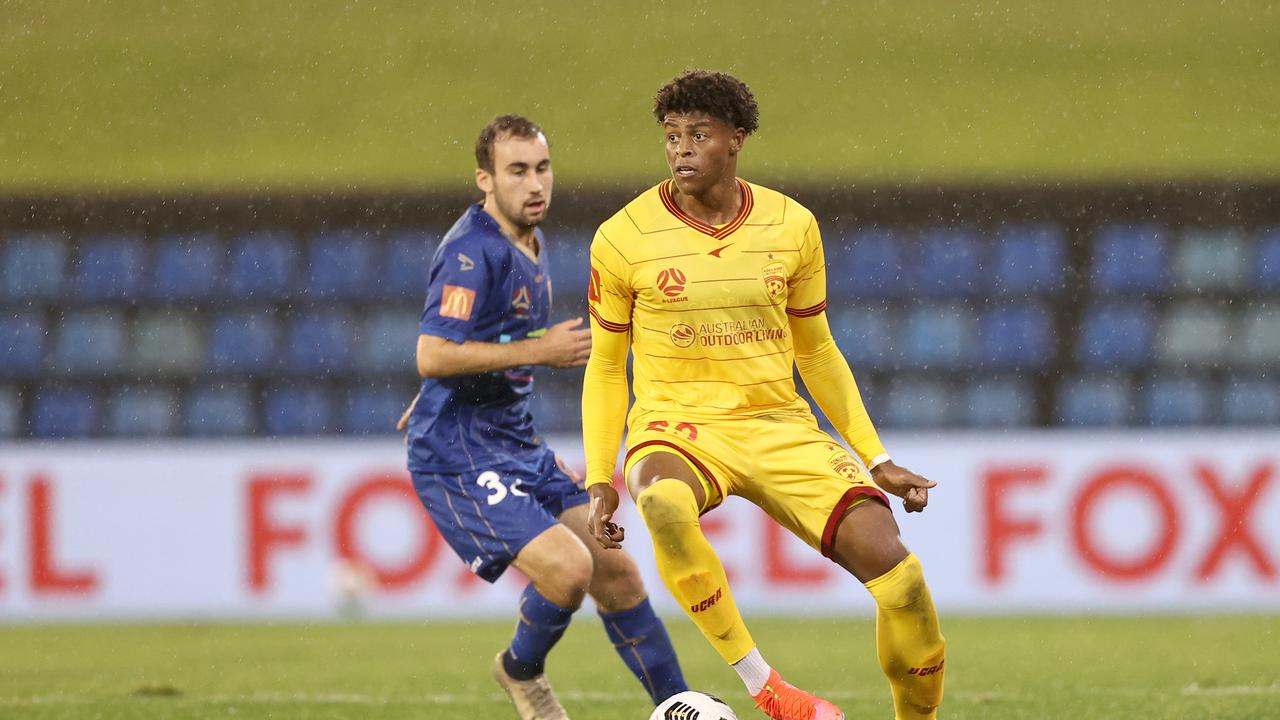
(534, 699)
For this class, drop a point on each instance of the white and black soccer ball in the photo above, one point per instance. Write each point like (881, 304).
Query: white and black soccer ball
(693, 705)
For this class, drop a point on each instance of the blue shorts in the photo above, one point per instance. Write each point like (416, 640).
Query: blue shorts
(488, 515)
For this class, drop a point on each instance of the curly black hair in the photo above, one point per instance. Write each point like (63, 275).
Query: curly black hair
(499, 128)
(717, 94)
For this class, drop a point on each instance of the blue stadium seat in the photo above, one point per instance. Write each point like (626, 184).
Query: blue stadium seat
(33, 267)
(1095, 401)
(22, 343)
(1266, 269)
(999, 402)
(11, 420)
(300, 411)
(1194, 333)
(407, 263)
(166, 341)
(64, 413)
(865, 336)
(939, 336)
(1017, 336)
(1177, 400)
(110, 267)
(187, 267)
(1210, 259)
(1260, 335)
(263, 266)
(1116, 335)
(218, 410)
(342, 265)
(915, 402)
(243, 341)
(1130, 259)
(142, 411)
(1252, 401)
(868, 264)
(90, 342)
(375, 410)
(388, 342)
(949, 264)
(320, 342)
(1029, 259)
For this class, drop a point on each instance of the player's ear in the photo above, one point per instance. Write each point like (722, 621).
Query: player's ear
(484, 181)
(736, 140)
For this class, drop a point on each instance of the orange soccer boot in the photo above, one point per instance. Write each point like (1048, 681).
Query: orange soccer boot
(781, 700)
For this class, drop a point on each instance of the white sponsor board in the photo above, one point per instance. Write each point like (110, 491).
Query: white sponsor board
(1052, 521)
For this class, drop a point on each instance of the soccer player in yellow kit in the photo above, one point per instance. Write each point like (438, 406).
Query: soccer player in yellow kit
(717, 286)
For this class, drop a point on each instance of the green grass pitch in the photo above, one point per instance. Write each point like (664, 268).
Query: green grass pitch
(1078, 668)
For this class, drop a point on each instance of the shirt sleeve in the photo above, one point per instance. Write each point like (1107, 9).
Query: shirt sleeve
(459, 286)
(807, 294)
(609, 296)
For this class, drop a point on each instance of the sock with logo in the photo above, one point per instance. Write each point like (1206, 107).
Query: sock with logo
(539, 627)
(690, 568)
(908, 640)
(643, 644)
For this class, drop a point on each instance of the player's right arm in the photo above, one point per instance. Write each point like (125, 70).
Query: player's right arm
(605, 393)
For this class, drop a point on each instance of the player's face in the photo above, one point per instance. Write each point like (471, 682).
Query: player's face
(701, 150)
(520, 183)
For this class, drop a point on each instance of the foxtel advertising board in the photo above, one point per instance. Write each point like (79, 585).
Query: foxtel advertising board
(1052, 522)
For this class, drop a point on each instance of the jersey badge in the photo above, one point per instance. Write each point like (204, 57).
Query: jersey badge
(465, 263)
(775, 278)
(521, 302)
(457, 302)
(671, 282)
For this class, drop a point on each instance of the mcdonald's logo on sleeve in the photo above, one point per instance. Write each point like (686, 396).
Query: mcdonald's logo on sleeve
(593, 290)
(457, 302)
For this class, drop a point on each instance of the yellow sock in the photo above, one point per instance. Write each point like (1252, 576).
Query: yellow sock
(690, 568)
(908, 640)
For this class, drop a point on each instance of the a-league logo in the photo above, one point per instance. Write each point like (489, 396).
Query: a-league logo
(671, 282)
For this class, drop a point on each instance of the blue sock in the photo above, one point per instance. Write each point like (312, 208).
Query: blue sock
(540, 625)
(643, 644)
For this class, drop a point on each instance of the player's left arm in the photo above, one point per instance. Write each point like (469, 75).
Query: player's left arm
(827, 375)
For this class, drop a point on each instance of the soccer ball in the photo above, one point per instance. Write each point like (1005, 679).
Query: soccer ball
(693, 705)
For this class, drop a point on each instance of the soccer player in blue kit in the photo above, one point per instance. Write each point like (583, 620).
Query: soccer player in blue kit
(496, 492)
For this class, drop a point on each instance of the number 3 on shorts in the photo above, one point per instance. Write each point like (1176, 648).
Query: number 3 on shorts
(497, 491)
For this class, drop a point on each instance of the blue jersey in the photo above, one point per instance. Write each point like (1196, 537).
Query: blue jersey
(482, 287)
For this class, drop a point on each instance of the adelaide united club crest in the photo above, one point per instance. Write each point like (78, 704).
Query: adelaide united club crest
(775, 279)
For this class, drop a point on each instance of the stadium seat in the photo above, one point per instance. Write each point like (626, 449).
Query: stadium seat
(948, 264)
(1029, 259)
(1266, 268)
(1194, 333)
(263, 266)
(916, 402)
(867, 264)
(166, 341)
(388, 342)
(407, 263)
(33, 267)
(1260, 335)
(142, 411)
(1130, 259)
(22, 343)
(1017, 336)
(1252, 401)
(865, 336)
(1176, 400)
(1210, 260)
(218, 410)
(939, 336)
(64, 412)
(342, 265)
(999, 403)
(11, 420)
(90, 342)
(375, 410)
(305, 410)
(187, 267)
(110, 267)
(243, 341)
(319, 342)
(1095, 401)
(1116, 335)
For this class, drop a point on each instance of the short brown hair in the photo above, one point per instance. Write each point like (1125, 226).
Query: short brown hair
(720, 95)
(498, 128)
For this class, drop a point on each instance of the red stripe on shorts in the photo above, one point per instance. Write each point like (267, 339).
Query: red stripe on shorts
(833, 522)
(685, 454)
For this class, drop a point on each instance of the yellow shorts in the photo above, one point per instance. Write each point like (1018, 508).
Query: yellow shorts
(783, 463)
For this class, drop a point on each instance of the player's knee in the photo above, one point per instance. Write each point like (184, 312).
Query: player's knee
(666, 502)
(565, 580)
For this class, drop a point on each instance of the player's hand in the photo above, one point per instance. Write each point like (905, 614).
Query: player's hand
(574, 475)
(404, 419)
(566, 344)
(604, 503)
(912, 488)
